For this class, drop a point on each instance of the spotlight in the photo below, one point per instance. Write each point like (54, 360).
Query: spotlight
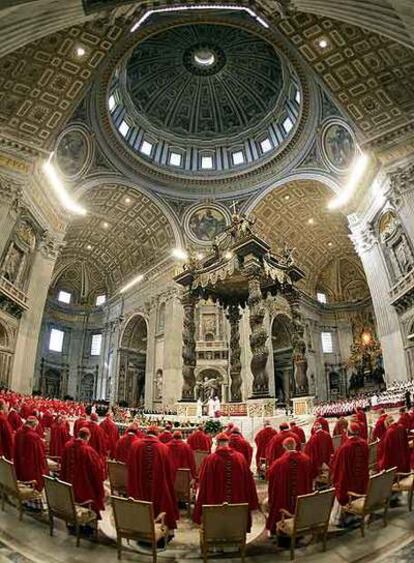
(323, 43)
(127, 200)
(179, 253)
(89, 247)
(80, 51)
(311, 221)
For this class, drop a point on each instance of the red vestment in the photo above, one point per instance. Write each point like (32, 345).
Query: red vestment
(225, 477)
(30, 456)
(238, 443)
(319, 448)
(262, 440)
(150, 477)
(300, 433)
(275, 448)
(393, 450)
(79, 423)
(98, 439)
(165, 437)
(340, 427)
(379, 428)
(405, 420)
(6, 438)
(123, 446)
(323, 422)
(181, 457)
(199, 441)
(83, 468)
(59, 435)
(289, 476)
(362, 420)
(15, 420)
(350, 468)
(112, 435)
(25, 410)
(47, 419)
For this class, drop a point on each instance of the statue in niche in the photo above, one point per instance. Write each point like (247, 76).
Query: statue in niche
(403, 255)
(26, 233)
(387, 226)
(158, 385)
(140, 386)
(207, 389)
(12, 263)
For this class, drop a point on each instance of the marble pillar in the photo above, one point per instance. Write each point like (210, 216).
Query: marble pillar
(189, 347)
(150, 357)
(30, 323)
(173, 361)
(258, 339)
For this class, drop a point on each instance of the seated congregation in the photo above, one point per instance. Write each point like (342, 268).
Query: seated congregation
(67, 465)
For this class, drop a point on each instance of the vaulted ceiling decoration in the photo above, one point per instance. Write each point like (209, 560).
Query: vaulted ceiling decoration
(123, 235)
(297, 213)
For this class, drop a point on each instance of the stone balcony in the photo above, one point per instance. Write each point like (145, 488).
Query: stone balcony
(402, 293)
(12, 300)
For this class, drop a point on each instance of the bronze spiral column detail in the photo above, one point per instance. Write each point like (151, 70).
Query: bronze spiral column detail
(189, 347)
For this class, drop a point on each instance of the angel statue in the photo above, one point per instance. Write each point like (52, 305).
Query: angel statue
(207, 388)
(288, 255)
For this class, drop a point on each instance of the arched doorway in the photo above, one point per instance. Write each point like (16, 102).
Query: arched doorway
(133, 357)
(282, 358)
(86, 387)
(52, 379)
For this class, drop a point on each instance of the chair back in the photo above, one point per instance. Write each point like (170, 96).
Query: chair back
(372, 455)
(8, 480)
(182, 485)
(313, 510)
(118, 477)
(134, 518)
(379, 489)
(60, 499)
(336, 440)
(225, 523)
(199, 457)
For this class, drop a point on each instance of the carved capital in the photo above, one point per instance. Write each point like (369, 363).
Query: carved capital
(10, 190)
(364, 240)
(49, 246)
(401, 181)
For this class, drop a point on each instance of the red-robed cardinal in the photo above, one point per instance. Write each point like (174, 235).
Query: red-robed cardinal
(83, 468)
(150, 476)
(199, 440)
(47, 419)
(181, 455)
(319, 448)
(379, 428)
(362, 419)
(225, 477)
(98, 437)
(15, 420)
(300, 433)
(166, 435)
(29, 454)
(275, 448)
(323, 422)
(405, 419)
(59, 435)
(289, 476)
(262, 440)
(238, 443)
(125, 442)
(340, 427)
(394, 450)
(350, 466)
(80, 422)
(112, 433)
(6, 434)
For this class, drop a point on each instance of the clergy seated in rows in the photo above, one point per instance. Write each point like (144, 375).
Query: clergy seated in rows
(6, 434)
(181, 455)
(111, 433)
(199, 440)
(289, 476)
(349, 470)
(394, 449)
(320, 449)
(30, 454)
(125, 442)
(150, 476)
(262, 440)
(300, 433)
(225, 477)
(83, 467)
(59, 436)
(237, 442)
(275, 448)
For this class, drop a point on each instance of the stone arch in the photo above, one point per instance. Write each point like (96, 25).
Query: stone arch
(212, 372)
(132, 360)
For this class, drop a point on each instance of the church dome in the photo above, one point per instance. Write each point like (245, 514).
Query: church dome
(204, 97)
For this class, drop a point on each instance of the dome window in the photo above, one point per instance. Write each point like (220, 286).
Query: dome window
(146, 148)
(124, 128)
(237, 157)
(298, 97)
(64, 297)
(265, 145)
(206, 162)
(175, 159)
(111, 102)
(100, 300)
(287, 124)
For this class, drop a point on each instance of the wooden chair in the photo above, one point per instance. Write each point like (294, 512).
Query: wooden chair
(373, 457)
(183, 489)
(405, 483)
(22, 491)
(54, 463)
(377, 498)
(118, 478)
(61, 504)
(134, 520)
(312, 514)
(336, 440)
(199, 457)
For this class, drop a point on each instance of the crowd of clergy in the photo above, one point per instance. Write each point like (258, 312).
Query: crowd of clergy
(292, 463)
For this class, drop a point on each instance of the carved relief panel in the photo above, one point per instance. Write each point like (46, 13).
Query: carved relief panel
(398, 252)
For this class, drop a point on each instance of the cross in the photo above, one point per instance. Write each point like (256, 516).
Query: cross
(233, 205)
